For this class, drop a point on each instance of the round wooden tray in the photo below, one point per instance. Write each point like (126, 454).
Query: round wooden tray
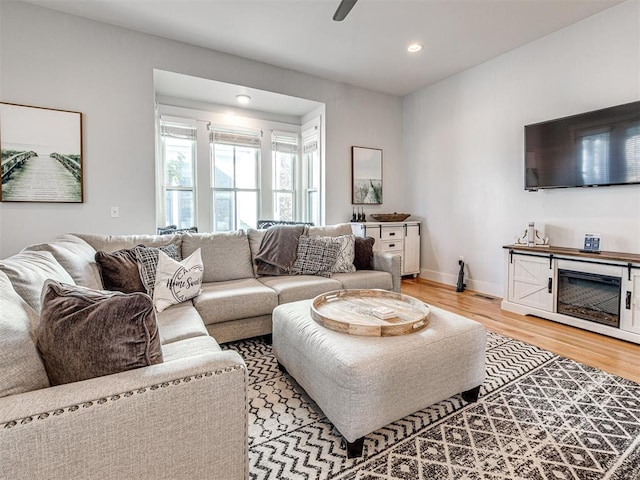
(350, 311)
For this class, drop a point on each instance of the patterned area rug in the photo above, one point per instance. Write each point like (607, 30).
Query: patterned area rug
(540, 416)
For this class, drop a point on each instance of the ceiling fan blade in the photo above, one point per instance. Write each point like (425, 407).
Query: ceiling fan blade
(343, 9)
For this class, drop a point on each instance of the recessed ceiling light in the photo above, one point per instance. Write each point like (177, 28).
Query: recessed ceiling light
(243, 99)
(415, 47)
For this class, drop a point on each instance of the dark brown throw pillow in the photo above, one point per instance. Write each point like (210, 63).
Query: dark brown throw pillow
(119, 271)
(364, 253)
(86, 333)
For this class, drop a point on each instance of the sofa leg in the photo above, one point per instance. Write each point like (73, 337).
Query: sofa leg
(471, 396)
(282, 368)
(268, 338)
(354, 449)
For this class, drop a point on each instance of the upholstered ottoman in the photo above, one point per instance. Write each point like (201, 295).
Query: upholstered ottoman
(364, 383)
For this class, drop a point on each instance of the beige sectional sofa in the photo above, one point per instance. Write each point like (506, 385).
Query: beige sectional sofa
(183, 418)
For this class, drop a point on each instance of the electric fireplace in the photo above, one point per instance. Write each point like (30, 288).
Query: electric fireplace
(589, 296)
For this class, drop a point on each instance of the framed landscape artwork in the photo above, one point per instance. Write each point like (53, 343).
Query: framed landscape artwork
(41, 154)
(366, 175)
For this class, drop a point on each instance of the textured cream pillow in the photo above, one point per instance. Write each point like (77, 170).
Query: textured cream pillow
(346, 252)
(177, 282)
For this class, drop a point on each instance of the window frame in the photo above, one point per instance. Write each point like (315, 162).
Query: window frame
(176, 124)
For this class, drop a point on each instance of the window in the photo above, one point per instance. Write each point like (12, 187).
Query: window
(311, 168)
(178, 179)
(221, 173)
(284, 148)
(235, 159)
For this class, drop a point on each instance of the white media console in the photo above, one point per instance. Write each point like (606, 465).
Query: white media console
(596, 292)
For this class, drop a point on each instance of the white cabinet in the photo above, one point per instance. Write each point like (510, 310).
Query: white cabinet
(401, 238)
(531, 282)
(630, 307)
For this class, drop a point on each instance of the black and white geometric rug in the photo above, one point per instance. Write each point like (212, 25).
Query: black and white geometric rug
(540, 416)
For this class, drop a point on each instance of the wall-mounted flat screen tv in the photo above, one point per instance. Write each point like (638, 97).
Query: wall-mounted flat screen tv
(591, 149)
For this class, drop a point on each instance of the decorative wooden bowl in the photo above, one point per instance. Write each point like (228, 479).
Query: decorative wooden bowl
(390, 217)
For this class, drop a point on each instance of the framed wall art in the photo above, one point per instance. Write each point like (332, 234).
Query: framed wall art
(366, 168)
(41, 154)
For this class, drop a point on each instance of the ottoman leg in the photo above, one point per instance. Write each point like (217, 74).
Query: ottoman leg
(282, 368)
(471, 396)
(354, 449)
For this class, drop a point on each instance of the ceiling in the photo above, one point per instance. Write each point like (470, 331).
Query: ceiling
(201, 90)
(367, 49)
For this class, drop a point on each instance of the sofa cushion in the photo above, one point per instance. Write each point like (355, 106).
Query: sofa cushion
(29, 269)
(76, 256)
(21, 368)
(316, 256)
(226, 256)
(111, 243)
(255, 240)
(178, 322)
(119, 271)
(365, 279)
(177, 282)
(86, 333)
(148, 262)
(234, 299)
(330, 230)
(363, 253)
(292, 288)
(190, 347)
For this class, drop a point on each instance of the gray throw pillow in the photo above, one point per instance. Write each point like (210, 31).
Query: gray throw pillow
(86, 333)
(315, 256)
(148, 261)
(119, 271)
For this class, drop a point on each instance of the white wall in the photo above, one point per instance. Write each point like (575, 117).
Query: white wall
(464, 143)
(50, 59)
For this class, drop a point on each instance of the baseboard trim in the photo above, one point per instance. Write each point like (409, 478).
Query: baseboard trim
(475, 285)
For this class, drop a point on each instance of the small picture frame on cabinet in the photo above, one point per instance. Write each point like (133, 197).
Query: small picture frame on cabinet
(591, 243)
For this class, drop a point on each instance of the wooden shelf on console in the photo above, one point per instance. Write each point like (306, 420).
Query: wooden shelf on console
(575, 252)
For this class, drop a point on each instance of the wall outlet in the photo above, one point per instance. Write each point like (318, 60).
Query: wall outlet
(115, 212)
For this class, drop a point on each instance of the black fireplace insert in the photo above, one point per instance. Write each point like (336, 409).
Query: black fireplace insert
(589, 296)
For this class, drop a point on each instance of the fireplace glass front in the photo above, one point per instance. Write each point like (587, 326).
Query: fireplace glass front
(589, 296)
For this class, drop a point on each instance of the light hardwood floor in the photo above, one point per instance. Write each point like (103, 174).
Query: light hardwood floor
(609, 354)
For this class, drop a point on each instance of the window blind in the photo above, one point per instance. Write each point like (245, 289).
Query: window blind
(236, 137)
(176, 130)
(284, 142)
(310, 140)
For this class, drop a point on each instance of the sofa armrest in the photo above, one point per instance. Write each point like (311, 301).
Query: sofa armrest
(389, 262)
(184, 419)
